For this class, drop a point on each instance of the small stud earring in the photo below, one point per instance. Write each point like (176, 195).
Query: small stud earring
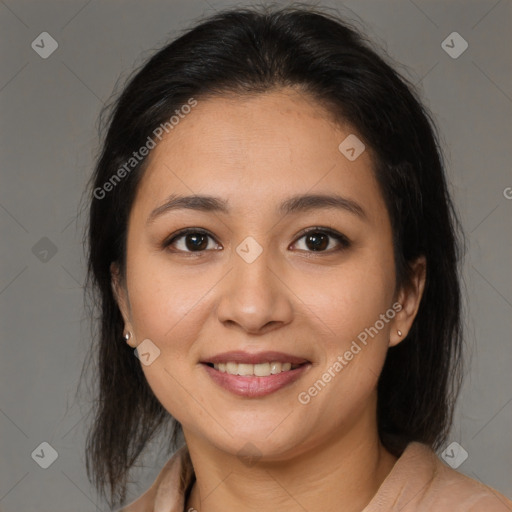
(128, 335)
(399, 332)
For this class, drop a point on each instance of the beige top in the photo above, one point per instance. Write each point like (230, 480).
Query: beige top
(419, 481)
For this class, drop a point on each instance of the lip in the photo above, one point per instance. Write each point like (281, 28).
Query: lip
(253, 387)
(239, 356)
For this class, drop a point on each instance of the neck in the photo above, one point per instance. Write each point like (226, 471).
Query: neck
(342, 472)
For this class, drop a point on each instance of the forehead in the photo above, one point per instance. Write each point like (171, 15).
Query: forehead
(275, 127)
(258, 147)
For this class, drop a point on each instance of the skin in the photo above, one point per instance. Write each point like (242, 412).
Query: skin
(255, 152)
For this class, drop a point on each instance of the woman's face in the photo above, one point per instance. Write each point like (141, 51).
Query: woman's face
(251, 281)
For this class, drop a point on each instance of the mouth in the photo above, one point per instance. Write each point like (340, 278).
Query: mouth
(254, 370)
(255, 375)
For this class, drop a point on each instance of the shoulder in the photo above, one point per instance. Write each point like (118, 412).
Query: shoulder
(421, 481)
(167, 491)
(460, 492)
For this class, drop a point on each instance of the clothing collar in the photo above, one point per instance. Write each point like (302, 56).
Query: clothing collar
(396, 490)
(418, 481)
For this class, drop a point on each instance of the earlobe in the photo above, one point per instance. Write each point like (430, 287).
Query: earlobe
(120, 295)
(410, 298)
(129, 338)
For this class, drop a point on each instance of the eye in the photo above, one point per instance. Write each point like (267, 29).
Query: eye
(197, 240)
(317, 240)
(194, 240)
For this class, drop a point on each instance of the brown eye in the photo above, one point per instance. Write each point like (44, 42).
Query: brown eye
(190, 240)
(318, 240)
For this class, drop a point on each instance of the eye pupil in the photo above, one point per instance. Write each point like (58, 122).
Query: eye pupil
(319, 241)
(200, 241)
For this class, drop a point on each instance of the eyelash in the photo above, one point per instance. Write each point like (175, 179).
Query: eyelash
(342, 239)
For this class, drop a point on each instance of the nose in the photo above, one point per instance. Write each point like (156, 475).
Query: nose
(254, 296)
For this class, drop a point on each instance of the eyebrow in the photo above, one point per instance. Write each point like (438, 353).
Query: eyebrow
(294, 204)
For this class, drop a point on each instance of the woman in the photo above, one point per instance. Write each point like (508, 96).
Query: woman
(272, 237)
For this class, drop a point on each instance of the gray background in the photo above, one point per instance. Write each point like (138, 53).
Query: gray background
(48, 112)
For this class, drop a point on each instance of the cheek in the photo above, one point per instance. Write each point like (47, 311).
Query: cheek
(355, 347)
(171, 315)
(162, 297)
(354, 350)
(352, 297)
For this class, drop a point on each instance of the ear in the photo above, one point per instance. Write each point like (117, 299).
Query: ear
(409, 297)
(121, 295)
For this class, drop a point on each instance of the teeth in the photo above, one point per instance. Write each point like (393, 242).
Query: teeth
(249, 370)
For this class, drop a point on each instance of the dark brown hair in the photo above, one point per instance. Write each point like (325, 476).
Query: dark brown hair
(247, 51)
